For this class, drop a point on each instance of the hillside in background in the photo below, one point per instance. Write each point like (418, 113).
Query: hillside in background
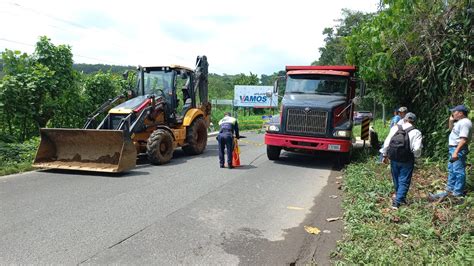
(90, 68)
(94, 68)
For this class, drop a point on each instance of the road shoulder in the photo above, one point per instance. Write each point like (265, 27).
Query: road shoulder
(318, 248)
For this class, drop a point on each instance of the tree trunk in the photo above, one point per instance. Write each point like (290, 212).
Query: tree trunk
(23, 130)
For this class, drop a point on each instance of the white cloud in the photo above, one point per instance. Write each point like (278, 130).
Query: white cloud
(237, 36)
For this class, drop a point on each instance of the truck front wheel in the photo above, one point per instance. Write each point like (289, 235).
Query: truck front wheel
(344, 159)
(273, 152)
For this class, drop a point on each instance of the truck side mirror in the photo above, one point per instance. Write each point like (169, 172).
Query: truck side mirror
(276, 83)
(275, 87)
(125, 75)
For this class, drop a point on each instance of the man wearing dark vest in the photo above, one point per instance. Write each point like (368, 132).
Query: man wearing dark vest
(228, 127)
(402, 146)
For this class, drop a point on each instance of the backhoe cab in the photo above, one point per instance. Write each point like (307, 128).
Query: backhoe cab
(162, 113)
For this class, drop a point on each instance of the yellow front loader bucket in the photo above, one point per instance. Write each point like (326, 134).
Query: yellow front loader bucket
(85, 150)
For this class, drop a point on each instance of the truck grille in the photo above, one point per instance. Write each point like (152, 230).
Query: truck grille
(306, 122)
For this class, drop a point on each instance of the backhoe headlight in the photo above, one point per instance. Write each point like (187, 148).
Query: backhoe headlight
(273, 128)
(342, 133)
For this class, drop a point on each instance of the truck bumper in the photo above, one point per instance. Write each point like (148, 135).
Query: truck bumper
(308, 143)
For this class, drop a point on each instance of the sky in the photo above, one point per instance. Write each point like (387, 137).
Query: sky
(239, 36)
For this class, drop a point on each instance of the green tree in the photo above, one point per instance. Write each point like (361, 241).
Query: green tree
(35, 87)
(100, 87)
(242, 79)
(269, 80)
(334, 50)
(418, 54)
(220, 87)
(23, 91)
(64, 94)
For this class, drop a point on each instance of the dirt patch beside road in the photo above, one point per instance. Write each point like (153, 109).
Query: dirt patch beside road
(318, 248)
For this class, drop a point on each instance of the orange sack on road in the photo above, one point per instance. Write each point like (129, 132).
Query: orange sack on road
(236, 154)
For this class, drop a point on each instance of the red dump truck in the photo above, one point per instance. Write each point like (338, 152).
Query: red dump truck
(316, 112)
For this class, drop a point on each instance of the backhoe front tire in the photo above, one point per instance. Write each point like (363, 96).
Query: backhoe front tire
(273, 152)
(196, 137)
(159, 147)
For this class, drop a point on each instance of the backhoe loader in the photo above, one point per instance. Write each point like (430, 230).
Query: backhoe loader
(154, 120)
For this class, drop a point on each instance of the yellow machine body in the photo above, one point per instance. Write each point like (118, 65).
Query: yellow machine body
(128, 128)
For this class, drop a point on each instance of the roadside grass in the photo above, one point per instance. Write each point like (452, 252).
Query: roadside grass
(377, 124)
(419, 233)
(246, 122)
(17, 157)
(250, 122)
(15, 168)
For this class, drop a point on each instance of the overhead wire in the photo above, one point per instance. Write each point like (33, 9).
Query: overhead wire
(72, 23)
(67, 22)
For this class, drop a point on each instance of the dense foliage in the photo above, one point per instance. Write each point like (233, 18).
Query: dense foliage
(34, 87)
(17, 157)
(412, 53)
(43, 90)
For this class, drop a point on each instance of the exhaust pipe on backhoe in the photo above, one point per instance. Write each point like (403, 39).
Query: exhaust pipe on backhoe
(86, 150)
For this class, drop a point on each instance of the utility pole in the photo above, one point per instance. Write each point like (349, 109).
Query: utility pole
(373, 114)
(383, 115)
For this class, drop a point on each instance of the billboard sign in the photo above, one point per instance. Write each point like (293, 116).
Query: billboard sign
(254, 96)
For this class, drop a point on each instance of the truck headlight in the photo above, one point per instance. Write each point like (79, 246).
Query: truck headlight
(342, 133)
(273, 128)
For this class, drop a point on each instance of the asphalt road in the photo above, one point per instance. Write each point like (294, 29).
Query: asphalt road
(187, 212)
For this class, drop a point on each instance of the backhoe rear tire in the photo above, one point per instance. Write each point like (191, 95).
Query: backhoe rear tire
(196, 137)
(159, 147)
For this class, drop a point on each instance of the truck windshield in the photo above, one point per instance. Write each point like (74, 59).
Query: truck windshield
(156, 81)
(317, 84)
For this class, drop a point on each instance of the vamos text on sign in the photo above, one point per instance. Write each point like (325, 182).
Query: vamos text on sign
(254, 96)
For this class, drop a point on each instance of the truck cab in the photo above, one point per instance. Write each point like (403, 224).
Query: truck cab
(316, 112)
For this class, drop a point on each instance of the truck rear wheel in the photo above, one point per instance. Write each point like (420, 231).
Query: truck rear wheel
(273, 152)
(159, 147)
(196, 137)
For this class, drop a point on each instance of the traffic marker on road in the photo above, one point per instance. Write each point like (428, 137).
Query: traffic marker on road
(365, 128)
(236, 154)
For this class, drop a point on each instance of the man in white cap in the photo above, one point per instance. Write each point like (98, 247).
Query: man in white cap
(402, 112)
(402, 145)
(461, 133)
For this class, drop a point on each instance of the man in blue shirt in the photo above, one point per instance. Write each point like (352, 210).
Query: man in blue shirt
(228, 126)
(395, 118)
